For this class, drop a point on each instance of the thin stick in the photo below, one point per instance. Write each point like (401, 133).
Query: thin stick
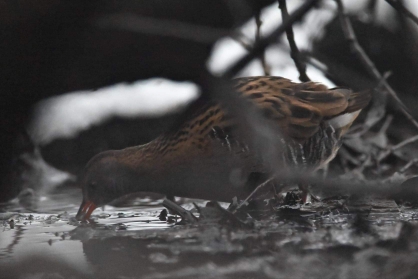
(253, 193)
(347, 186)
(340, 186)
(265, 42)
(258, 23)
(160, 27)
(397, 5)
(294, 51)
(239, 38)
(367, 62)
(231, 217)
(186, 215)
(386, 124)
(408, 165)
(386, 153)
(405, 142)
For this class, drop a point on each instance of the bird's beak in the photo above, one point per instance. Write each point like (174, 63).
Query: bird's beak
(85, 210)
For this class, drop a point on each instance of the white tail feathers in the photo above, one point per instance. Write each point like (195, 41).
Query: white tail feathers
(343, 120)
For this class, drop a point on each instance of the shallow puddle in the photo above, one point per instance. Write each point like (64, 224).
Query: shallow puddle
(132, 242)
(41, 243)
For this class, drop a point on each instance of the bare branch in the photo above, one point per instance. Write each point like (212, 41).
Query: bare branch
(405, 142)
(367, 62)
(248, 46)
(408, 165)
(397, 5)
(346, 186)
(186, 215)
(294, 51)
(350, 187)
(253, 193)
(239, 39)
(258, 23)
(386, 153)
(265, 42)
(161, 27)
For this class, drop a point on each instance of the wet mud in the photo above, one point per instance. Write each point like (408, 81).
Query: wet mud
(336, 238)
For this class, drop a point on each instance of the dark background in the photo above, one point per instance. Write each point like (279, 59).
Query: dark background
(53, 47)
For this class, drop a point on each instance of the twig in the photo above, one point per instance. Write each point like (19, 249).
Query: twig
(352, 187)
(405, 142)
(385, 77)
(161, 27)
(386, 124)
(367, 62)
(231, 217)
(238, 37)
(374, 115)
(186, 215)
(265, 42)
(343, 152)
(386, 153)
(397, 5)
(252, 194)
(307, 57)
(249, 47)
(294, 51)
(408, 165)
(347, 186)
(198, 209)
(258, 23)
(363, 165)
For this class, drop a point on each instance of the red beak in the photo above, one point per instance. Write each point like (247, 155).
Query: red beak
(85, 210)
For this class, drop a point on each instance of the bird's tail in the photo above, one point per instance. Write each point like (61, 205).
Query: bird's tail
(358, 100)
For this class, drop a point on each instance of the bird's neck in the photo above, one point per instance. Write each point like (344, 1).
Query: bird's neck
(180, 172)
(147, 166)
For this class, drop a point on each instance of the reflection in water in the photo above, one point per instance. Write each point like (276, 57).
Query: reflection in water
(128, 256)
(18, 233)
(40, 243)
(132, 242)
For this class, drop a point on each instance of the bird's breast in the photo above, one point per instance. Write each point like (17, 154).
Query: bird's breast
(315, 152)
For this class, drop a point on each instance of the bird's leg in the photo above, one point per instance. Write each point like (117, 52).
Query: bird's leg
(307, 196)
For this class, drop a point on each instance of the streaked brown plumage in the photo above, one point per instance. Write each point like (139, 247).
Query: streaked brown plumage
(206, 157)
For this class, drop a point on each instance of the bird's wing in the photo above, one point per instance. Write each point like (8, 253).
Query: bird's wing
(299, 108)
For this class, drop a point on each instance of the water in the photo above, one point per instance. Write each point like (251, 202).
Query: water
(132, 242)
(49, 234)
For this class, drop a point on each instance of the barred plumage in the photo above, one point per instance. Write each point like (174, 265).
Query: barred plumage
(199, 158)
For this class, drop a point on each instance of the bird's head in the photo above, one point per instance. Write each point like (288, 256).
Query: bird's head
(105, 179)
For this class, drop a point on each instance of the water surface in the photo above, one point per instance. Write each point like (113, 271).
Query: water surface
(334, 238)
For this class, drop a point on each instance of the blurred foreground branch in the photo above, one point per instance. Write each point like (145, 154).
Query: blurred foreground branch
(161, 27)
(398, 5)
(338, 186)
(262, 45)
(260, 134)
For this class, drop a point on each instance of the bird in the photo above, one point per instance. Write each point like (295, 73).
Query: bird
(207, 158)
